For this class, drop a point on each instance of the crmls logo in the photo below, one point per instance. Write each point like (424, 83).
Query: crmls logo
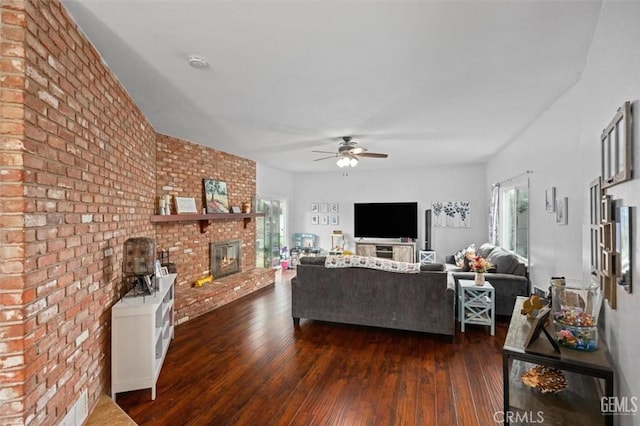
(623, 405)
(514, 417)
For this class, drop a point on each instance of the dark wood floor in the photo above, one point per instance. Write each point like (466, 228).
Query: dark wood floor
(246, 364)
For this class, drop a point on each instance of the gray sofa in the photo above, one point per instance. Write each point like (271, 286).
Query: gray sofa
(509, 280)
(423, 302)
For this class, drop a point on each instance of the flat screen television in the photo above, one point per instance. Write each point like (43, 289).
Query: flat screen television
(385, 220)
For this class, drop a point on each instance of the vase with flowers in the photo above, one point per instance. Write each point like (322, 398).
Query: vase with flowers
(480, 266)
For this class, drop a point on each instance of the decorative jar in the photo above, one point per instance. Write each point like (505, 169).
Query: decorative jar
(575, 311)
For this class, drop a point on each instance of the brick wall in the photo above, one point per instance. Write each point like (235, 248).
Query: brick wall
(12, 279)
(77, 179)
(81, 170)
(181, 168)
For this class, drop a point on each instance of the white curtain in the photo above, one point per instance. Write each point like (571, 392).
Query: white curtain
(494, 207)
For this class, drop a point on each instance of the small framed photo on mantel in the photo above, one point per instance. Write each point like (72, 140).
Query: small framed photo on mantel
(185, 205)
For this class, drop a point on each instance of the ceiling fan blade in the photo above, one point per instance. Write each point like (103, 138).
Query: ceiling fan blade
(324, 152)
(358, 150)
(325, 158)
(373, 155)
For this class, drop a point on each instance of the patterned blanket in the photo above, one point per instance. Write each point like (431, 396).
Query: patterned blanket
(336, 261)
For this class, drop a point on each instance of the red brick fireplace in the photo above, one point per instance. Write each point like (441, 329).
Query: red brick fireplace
(181, 168)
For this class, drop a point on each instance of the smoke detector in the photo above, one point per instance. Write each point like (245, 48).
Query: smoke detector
(197, 62)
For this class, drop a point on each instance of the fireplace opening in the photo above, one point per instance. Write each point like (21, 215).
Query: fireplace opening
(225, 258)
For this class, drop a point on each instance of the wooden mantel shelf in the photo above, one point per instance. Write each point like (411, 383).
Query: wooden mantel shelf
(205, 219)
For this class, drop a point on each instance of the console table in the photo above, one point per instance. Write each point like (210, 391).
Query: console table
(580, 403)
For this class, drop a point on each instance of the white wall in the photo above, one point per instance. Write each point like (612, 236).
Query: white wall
(562, 147)
(548, 148)
(424, 185)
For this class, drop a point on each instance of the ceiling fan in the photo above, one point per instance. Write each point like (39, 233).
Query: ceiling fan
(349, 152)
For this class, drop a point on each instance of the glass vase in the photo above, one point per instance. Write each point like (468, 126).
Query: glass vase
(575, 312)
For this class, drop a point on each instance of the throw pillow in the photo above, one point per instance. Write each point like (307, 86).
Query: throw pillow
(460, 255)
(465, 265)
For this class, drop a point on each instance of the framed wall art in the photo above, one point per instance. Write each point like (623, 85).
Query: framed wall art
(451, 214)
(216, 196)
(623, 247)
(595, 199)
(562, 211)
(550, 199)
(615, 148)
(185, 205)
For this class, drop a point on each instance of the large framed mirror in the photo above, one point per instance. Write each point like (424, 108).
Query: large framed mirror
(615, 148)
(623, 246)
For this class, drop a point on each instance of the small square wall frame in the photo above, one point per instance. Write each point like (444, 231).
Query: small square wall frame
(615, 148)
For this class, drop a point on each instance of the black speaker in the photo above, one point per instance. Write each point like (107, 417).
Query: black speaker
(427, 230)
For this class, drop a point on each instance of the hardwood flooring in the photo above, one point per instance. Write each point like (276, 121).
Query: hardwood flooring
(246, 364)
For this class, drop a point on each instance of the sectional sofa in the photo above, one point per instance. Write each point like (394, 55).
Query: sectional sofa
(509, 278)
(423, 301)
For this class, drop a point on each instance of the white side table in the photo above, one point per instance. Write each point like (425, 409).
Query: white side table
(477, 304)
(427, 256)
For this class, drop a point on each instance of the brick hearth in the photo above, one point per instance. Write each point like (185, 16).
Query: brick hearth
(191, 302)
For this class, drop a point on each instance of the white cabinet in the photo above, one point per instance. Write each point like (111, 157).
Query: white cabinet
(401, 252)
(141, 330)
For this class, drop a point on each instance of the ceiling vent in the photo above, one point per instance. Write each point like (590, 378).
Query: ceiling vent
(197, 62)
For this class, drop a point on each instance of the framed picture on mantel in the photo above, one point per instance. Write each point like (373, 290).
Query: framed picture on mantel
(185, 205)
(216, 196)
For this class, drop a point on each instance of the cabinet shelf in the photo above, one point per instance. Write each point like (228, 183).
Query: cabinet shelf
(141, 330)
(205, 219)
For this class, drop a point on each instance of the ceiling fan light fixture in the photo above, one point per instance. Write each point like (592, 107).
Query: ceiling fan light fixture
(346, 161)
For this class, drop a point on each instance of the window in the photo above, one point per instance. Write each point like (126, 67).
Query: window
(514, 218)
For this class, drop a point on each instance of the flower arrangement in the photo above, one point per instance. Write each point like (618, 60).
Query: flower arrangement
(479, 264)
